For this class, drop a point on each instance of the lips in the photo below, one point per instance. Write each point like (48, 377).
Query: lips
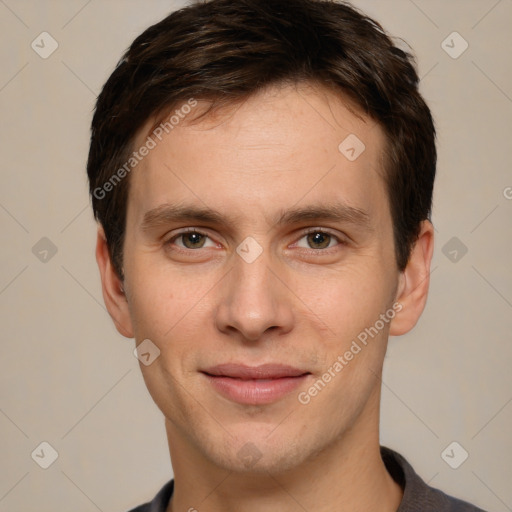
(264, 371)
(255, 385)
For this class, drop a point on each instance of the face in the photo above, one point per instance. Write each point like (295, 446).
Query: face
(257, 254)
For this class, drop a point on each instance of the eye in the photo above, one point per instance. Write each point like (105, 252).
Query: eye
(191, 239)
(318, 239)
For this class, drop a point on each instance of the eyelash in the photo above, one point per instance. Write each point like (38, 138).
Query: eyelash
(327, 250)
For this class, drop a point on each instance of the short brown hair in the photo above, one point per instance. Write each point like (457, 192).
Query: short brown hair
(224, 51)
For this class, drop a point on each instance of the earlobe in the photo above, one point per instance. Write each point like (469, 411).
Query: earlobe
(112, 288)
(414, 282)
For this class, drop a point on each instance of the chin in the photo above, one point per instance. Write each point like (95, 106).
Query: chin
(252, 454)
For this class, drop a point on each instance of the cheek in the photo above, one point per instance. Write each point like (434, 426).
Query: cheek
(173, 310)
(345, 301)
(163, 300)
(165, 310)
(352, 344)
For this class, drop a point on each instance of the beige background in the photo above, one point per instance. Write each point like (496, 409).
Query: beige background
(69, 379)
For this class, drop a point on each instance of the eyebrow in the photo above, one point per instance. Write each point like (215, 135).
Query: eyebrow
(330, 212)
(338, 212)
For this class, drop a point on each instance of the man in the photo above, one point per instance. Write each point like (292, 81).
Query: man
(262, 174)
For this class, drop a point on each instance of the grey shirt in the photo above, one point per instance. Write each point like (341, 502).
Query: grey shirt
(418, 496)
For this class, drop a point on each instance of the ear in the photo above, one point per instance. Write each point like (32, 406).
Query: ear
(414, 282)
(112, 287)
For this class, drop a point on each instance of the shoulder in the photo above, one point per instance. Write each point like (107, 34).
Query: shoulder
(141, 508)
(417, 494)
(159, 502)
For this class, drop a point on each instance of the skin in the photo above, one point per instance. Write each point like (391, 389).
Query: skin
(301, 302)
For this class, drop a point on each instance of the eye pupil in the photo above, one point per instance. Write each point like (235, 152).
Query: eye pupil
(320, 238)
(195, 240)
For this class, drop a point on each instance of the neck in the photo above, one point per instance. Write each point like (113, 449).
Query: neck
(348, 475)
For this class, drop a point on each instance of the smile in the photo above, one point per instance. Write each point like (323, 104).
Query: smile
(256, 385)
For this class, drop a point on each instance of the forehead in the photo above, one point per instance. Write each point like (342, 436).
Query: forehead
(280, 147)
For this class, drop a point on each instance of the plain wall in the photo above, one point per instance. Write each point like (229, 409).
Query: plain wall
(68, 378)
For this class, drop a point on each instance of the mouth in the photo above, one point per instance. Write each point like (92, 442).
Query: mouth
(255, 385)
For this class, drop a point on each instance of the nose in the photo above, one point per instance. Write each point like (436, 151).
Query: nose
(255, 301)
